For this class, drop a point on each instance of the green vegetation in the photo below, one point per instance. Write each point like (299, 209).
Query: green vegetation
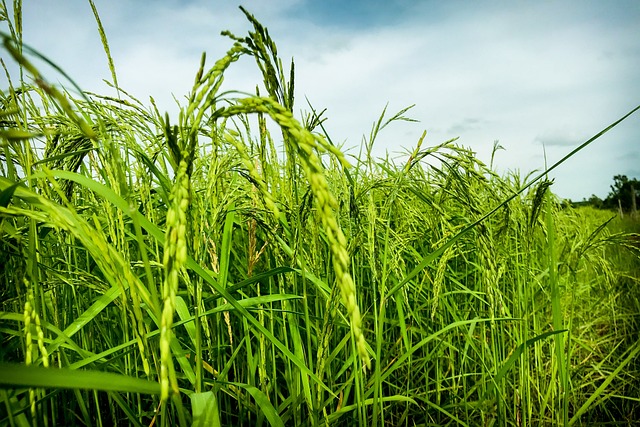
(195, 270)
(624, 197)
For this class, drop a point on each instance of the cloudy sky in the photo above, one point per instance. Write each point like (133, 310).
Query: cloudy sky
(538, 76)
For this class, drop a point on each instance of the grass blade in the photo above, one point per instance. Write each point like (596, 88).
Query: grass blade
(12, 375)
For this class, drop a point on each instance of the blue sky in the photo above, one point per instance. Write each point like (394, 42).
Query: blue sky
(539, 77)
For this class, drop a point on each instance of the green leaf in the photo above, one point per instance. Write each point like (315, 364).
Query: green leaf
(87, 316)
(17, 134)
(7, 194)
(399, 362)
(633, 353)
(262, 402)
(254, 279)
(204, 407)
(332, 418)
(63, 156)
(225, 251)
(14, 376)
(516, 355)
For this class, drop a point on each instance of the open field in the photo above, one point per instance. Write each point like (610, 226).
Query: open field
(205, 270)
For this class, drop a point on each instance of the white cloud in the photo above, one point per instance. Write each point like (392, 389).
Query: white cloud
(566, 137)
(521, 73)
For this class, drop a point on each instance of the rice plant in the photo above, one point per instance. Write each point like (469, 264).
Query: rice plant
(201, 270)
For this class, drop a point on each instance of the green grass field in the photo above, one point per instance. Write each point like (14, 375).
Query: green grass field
(202, 270)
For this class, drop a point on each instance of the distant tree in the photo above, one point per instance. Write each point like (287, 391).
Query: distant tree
(595, 201)
(624, 194)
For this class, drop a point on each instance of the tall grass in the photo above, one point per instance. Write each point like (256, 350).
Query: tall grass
(200, 270)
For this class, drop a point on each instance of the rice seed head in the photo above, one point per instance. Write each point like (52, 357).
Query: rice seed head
(232, 137)
(175, 257)
(27, 332)
(307, 145)
(32, 321)
(206, 87)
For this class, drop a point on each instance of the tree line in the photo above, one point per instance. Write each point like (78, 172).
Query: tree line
(624, 196)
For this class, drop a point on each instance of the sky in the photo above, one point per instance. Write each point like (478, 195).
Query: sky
(539, 77)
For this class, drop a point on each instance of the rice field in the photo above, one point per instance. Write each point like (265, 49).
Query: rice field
(231, 266)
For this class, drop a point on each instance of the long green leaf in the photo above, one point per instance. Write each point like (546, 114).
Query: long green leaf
(263, 402)
(600, 390)
(398, 363)
(204, 409)
(516, 355)
(13, 375)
